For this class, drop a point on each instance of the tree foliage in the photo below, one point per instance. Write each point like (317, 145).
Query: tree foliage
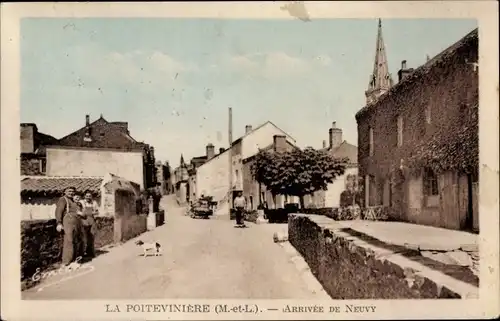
(297, 172)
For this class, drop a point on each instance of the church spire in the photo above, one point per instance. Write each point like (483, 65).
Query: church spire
(182, 161)
(380, 79)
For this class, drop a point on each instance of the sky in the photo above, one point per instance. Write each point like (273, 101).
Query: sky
(173, 79)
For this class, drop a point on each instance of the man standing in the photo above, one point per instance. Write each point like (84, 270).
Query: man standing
(239, 204)
(70, 223)
(90, 210)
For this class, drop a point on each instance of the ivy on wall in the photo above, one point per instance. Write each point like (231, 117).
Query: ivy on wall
(448, 85)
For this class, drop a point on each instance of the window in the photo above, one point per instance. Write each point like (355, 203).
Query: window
(400, 131)
(251, 202)
(371, 141)
(428, 114)
(431, 183)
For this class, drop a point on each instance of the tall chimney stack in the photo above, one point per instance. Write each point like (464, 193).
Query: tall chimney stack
(210, 151)
(87, 120)
(248, 128)
(335, 135)
(404, 71)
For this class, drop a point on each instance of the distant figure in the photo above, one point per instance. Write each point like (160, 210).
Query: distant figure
(69, 222)
(239, 206)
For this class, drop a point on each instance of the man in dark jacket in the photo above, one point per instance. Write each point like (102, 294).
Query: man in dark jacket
(70, 223)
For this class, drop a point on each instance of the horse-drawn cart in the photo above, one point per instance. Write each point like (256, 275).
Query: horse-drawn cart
(203, 208)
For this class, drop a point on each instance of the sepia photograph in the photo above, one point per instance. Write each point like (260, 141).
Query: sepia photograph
(332, 160)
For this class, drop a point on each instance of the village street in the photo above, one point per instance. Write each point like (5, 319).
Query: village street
(201, 259)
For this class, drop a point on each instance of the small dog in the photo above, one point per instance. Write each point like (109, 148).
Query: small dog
(154, 247)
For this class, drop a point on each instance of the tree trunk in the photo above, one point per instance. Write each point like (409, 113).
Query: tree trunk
(301, 199)
(260, 194)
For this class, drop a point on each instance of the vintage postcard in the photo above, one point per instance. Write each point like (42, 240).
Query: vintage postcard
(250, 160)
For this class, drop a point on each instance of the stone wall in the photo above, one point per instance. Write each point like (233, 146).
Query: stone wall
(437, 103)
(133, 226)
(41, 244)
(376, 213)
(350, 268)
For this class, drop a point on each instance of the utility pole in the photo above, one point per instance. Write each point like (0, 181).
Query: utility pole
(230, 155)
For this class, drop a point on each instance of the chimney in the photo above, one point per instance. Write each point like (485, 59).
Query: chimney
(210, 151)
(87, 120)
(279, 142)
(248, 128)
(221, 150)
(324, 144)
(404, 71)
(152, 152)
(335, 135)
(28, 133)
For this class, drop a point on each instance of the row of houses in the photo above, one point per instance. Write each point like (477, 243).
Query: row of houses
(209, 174)
(100, 157)
(98, 148)
(417, 137)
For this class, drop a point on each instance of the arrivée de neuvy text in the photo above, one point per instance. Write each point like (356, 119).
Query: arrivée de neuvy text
(237, 308)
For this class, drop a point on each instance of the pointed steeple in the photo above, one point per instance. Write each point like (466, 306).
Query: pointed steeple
(182, 161)
(380, 79)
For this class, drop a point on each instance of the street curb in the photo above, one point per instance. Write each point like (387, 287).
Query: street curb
(305, 271)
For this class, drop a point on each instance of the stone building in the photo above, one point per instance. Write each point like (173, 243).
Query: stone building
(181, 179)
(103, 147)
(339, 149)
(418, 140)
(212, 178)
(163, 177)
(33, 152)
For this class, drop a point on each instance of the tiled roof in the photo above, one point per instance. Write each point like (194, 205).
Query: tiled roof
(56, 185)
(344, 150)
(44, 139)
(104, 135)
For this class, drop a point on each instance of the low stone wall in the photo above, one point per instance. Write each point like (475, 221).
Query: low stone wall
(349, 267)
(134, 225)
(251, 216)
(155, 219)
(278, 215)
(41, 244)
(376, 213)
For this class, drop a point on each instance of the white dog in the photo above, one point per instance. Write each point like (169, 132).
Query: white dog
(153, 248)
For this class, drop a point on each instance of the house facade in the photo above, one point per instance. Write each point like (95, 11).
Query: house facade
(337, 192)
(33, 152)
(418, 140)
(212, 178)
(257, 194)
(163, 177)
(103, 147)
(181, 180)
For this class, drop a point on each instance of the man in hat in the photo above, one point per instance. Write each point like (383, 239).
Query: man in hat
(239, 204)
(69, 222)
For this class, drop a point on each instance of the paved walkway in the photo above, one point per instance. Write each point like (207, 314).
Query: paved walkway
(201, 259)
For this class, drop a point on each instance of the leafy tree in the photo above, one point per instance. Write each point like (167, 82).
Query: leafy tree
(297, 172)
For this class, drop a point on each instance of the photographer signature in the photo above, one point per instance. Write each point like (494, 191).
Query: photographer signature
(73, 267)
